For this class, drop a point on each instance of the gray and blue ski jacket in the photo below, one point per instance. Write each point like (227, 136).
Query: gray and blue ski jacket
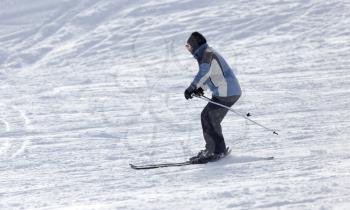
(214, 73)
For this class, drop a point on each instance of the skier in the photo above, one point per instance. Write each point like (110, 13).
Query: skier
(216, 74)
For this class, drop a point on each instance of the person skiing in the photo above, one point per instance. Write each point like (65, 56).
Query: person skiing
(214, 73)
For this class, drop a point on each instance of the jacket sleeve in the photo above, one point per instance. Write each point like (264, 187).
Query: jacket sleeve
(204, 70)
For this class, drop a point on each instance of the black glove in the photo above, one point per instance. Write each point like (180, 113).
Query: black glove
(199, 92)
(189, 91)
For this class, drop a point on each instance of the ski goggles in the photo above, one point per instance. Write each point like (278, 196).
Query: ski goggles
(188, 46)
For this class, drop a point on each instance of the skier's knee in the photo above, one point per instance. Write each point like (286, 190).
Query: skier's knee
(204, 115)
(211, 117)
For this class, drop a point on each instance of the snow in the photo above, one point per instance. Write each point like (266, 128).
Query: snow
(88, 87)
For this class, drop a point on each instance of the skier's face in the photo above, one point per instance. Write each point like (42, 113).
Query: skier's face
(188, 47)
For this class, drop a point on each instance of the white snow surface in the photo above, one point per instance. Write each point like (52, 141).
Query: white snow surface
(88, 87)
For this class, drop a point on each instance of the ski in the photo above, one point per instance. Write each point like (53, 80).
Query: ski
(163, 165)
(160, 165)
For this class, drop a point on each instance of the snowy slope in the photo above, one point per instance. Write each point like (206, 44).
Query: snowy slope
(87, 87)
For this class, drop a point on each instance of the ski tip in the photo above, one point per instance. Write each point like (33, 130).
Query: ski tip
(135, 167)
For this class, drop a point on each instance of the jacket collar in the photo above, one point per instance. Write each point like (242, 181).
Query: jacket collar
(198, 53)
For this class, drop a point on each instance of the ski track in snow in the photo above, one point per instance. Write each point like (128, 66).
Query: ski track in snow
(89, 86)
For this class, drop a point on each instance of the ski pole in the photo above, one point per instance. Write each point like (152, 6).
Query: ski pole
(234, 111)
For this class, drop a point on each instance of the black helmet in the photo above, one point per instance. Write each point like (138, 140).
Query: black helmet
(196, 40)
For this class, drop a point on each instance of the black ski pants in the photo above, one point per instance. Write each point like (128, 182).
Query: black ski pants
(211, 118)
